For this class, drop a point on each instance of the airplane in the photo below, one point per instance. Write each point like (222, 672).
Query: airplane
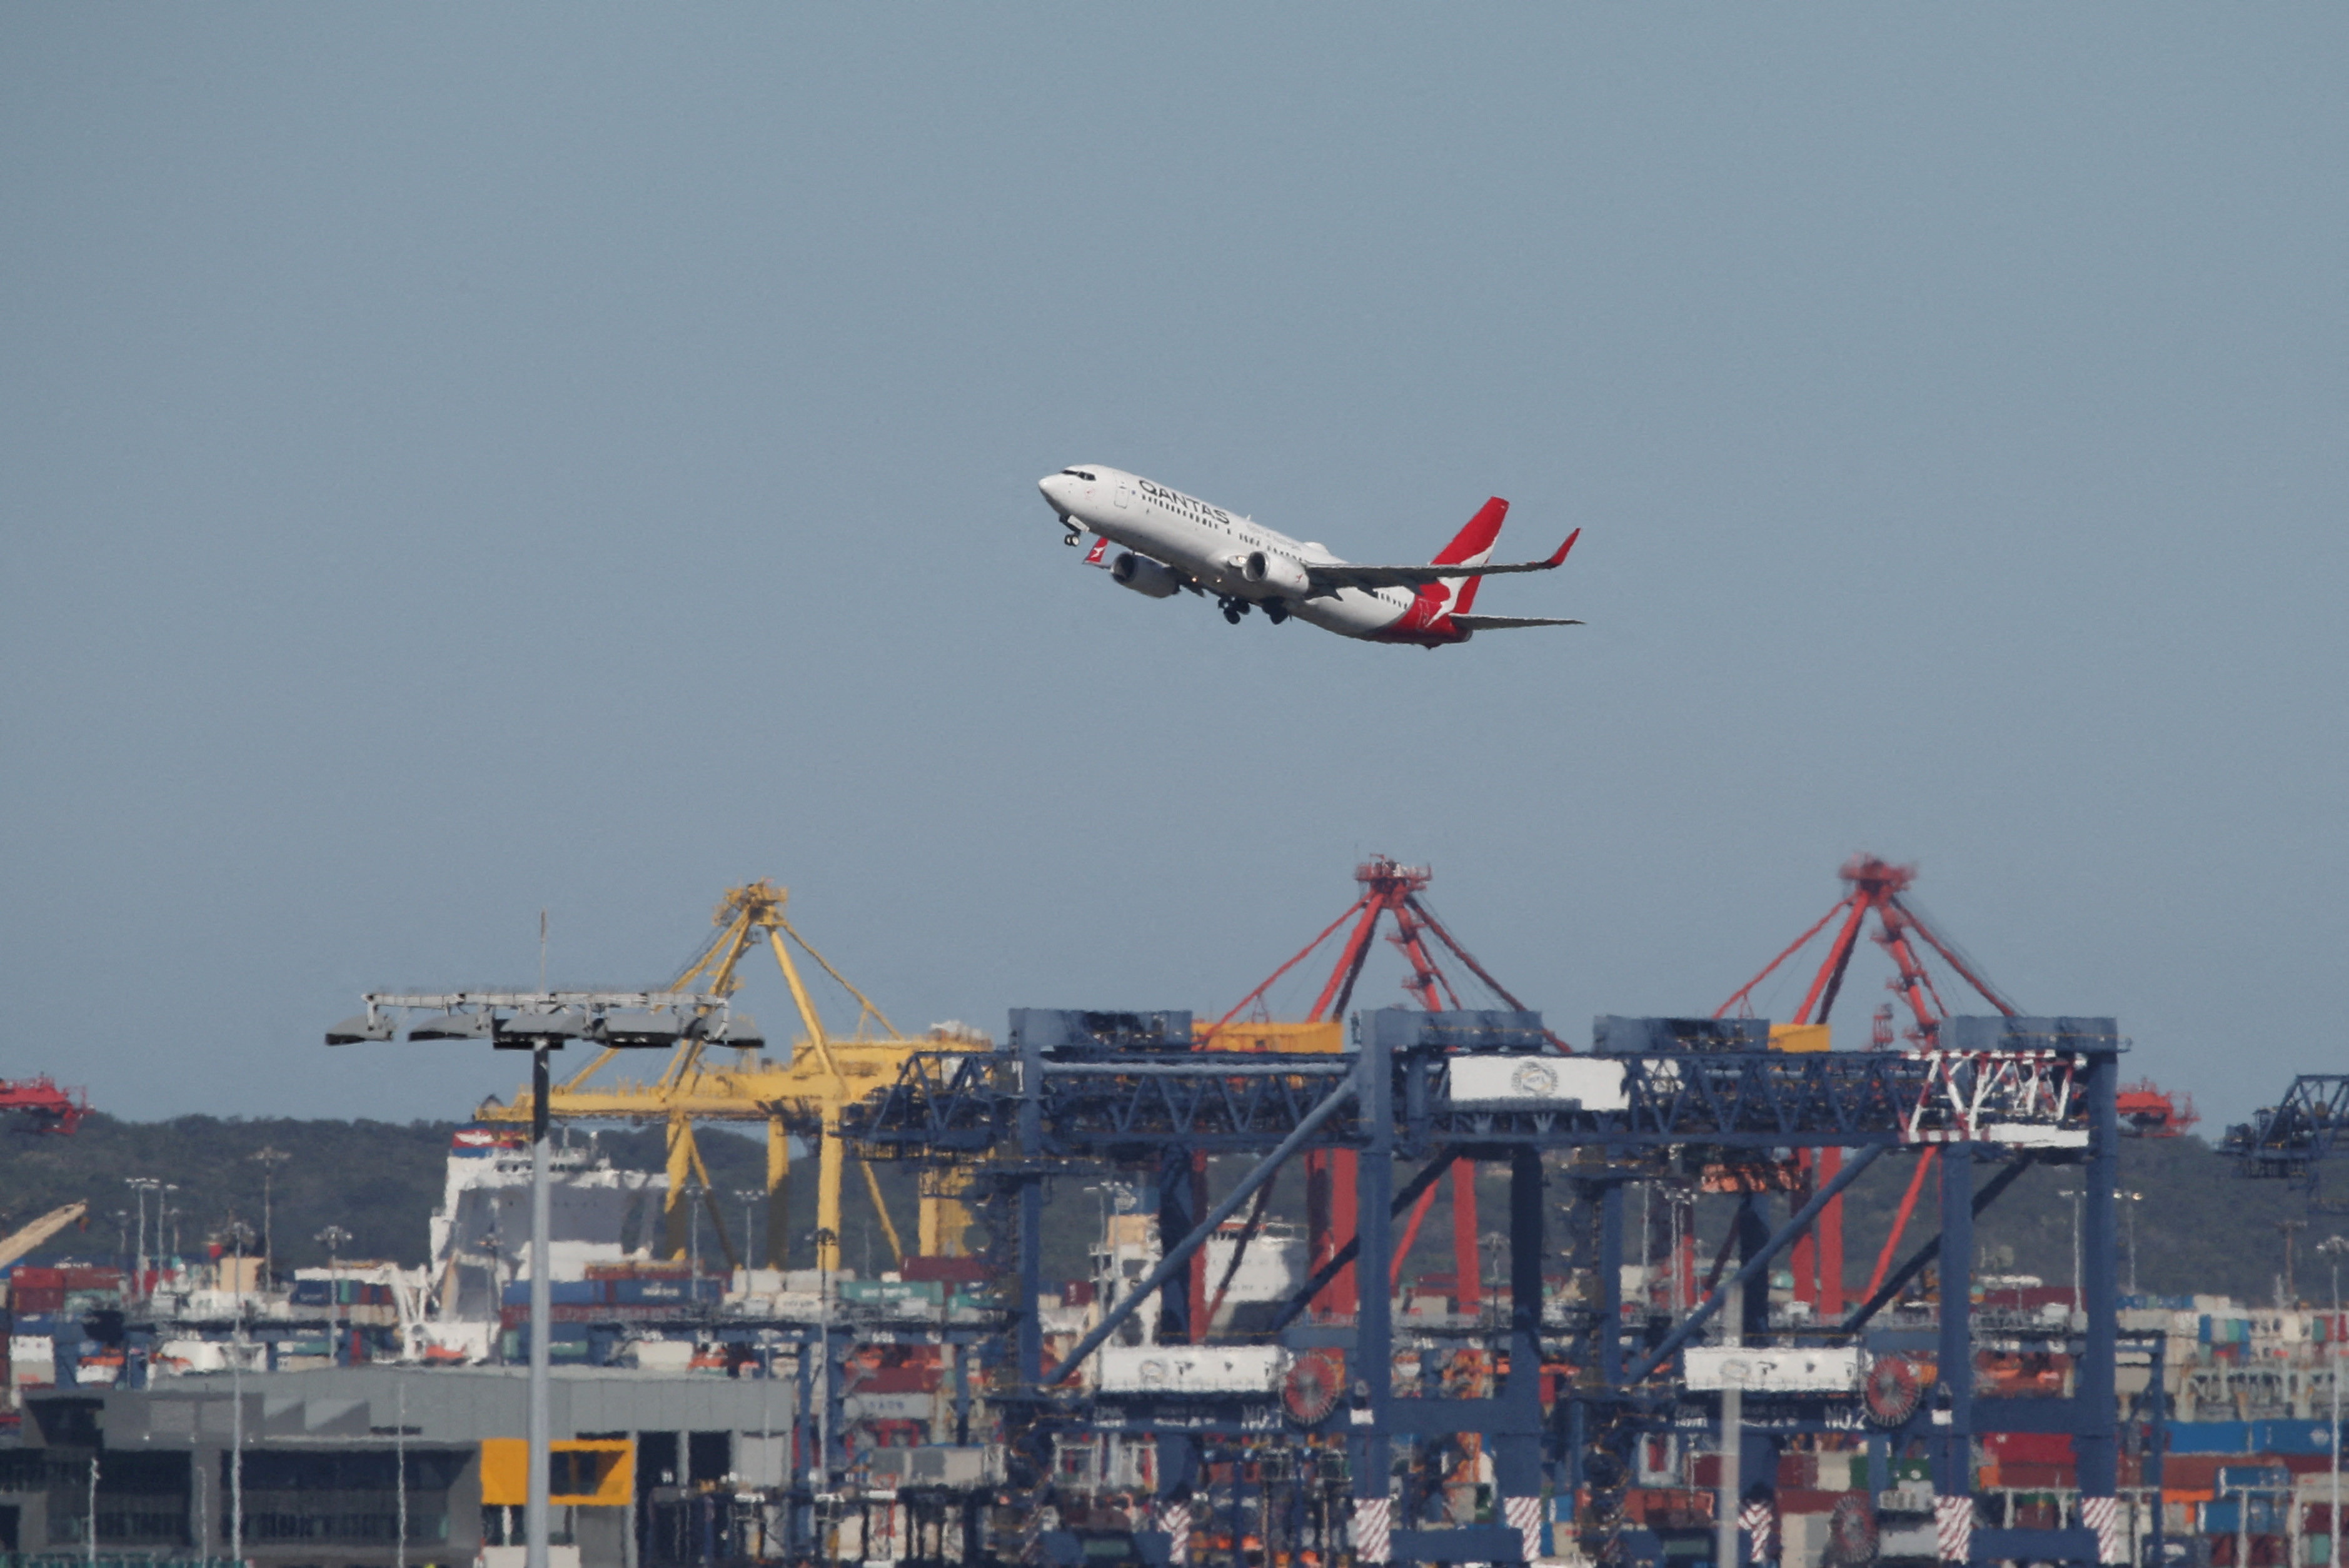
(1172, 541)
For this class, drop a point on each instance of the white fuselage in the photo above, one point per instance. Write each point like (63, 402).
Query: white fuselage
(1213, 546)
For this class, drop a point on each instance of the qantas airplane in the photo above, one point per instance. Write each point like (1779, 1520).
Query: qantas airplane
(1172, 541)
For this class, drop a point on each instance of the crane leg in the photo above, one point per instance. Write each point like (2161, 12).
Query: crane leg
(827, 1193)
(944, 1217)
(779, 1194)
(675, 1216)
(888, 1226)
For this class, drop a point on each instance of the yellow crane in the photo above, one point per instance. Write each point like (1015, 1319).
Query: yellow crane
(803, 1095)
(23, 1241)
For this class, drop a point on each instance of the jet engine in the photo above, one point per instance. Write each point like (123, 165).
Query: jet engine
(1144, 575)
(1277, 573)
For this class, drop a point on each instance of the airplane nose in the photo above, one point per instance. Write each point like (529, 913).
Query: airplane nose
(1053, 485)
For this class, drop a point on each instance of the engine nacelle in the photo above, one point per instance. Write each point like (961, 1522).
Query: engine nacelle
(1277, 574)
(1144, 575)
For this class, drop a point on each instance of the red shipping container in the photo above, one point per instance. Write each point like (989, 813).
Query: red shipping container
(1807, 1500)
(899, 1380)
(2193, 1473)
(26, 1298)
(39, 1279)
(1704, 1471)
(1798, 1469)
(1077, 1293)
(2029, 1447)
(945, 1271)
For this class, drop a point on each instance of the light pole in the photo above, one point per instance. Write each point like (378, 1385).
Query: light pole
(542, 1022)
(748, 1194)
(2333, 1247)
(140, 1187)
(2076, 1194)
(2289, 1290)
(269, 1160)
(332, 1238)
(2133, 1200)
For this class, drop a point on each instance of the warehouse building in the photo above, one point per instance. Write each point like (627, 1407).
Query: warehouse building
(329, 1468)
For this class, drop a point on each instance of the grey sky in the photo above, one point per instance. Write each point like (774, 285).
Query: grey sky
(464, 459)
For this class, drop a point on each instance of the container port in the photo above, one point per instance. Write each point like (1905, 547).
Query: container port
(1378, 1284)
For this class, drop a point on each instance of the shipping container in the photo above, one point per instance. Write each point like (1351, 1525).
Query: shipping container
(2210, 1437)
(2292, 1437)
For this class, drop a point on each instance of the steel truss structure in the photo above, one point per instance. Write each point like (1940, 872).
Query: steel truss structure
(2292, 1140)
(1074, 1093)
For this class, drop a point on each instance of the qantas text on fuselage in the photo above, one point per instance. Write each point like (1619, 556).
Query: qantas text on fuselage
(1170, 541)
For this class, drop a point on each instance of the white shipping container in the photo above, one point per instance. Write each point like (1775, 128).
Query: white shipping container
(1711, 1367)
(1180, 1369)
(1539, 1083)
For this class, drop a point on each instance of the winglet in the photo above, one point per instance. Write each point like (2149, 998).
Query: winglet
(1094, 556)
(1562, 549)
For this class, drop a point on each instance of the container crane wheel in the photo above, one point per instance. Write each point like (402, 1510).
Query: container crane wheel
(1852, 1539)
(1895, 1385)
(1311, 1391)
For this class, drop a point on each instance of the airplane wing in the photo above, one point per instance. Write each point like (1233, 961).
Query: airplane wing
(1503, 623)
(1327, 577)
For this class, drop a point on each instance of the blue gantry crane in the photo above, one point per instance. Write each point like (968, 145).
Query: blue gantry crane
(1574, 1379)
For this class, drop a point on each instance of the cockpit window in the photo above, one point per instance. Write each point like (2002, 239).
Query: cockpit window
(1079, 474)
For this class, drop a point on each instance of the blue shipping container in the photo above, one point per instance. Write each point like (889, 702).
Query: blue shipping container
(2254, 1478)
(650, 1291)
(2225, 1516)
(2292, 1437)
(561, 1292)
(2210, 1437)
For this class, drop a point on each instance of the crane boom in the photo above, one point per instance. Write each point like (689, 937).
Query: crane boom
(41, 1230)
(805, 1095)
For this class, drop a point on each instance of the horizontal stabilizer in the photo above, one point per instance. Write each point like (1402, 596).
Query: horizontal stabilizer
(1330, 576)
(1503, 623)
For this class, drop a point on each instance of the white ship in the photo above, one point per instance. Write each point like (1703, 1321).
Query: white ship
(481, 1232)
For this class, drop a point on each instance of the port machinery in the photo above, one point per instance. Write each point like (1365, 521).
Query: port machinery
(1874, 886)
(1075, 1093)
(2295, 1139)
(43, 1105)
(803, 1095)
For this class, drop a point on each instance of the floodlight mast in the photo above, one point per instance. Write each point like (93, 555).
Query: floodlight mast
(541, 1022)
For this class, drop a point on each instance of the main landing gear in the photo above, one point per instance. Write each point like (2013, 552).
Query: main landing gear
(1233, 607)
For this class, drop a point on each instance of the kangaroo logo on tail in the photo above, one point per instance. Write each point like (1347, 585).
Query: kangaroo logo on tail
(1472, 546)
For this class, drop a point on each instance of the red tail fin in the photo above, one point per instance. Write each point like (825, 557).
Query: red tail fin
(1474, 542)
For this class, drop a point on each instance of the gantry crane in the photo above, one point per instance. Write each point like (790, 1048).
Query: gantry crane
(21, 1242)
(1872, 886)
(1878, 887)
(44, 1107)
(803, 1095)
(1390, 892)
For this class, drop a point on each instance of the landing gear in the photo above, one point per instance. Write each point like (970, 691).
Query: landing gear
(1275, 611)
(1076, 533)
(1233, 609)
